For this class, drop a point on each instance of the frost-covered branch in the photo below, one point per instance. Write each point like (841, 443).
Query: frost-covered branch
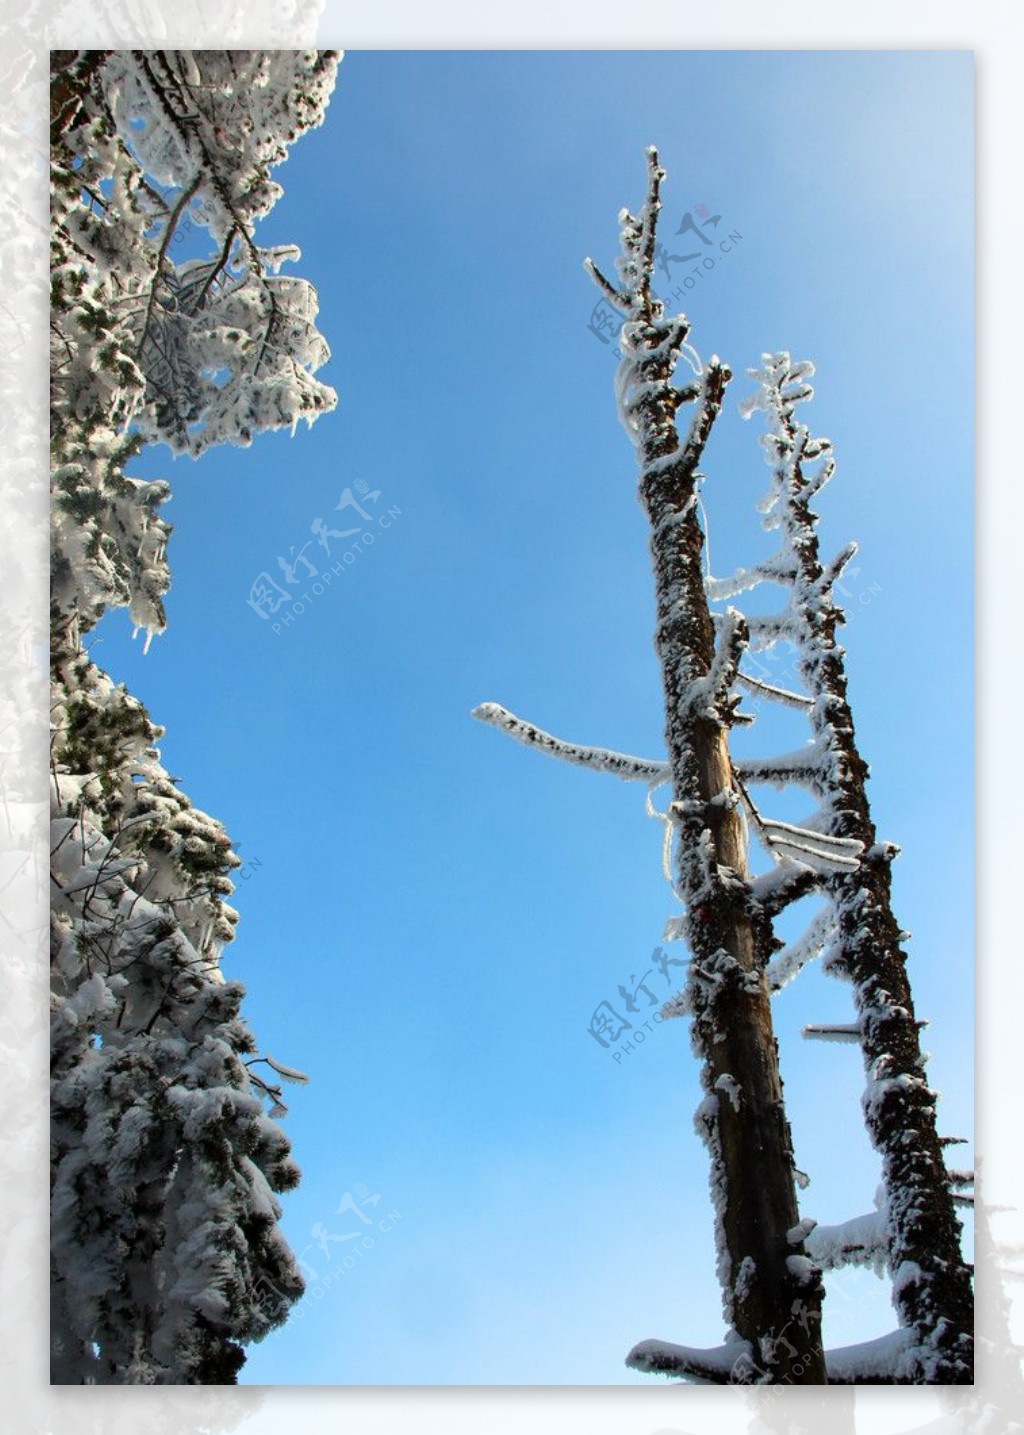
(890, 1360)
(729, 1364)
(935, 1306)
(805, 766)
(600, 759)
(862, 1241)
(781, 886)
(191, 353)
(773, 570)
(819, 849)
(708, 696)
(815, 939)
(768, 690)
(842, 1032)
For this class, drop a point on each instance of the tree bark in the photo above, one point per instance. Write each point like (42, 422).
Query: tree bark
(932, 1284)
(771, 1292)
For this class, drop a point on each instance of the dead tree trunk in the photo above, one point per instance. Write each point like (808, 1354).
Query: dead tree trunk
(931, 1282)
(772, 1292)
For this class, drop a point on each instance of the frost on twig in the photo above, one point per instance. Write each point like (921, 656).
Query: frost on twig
(779, 887)
(769, 690)
(709, 696)
(858, 927)
(889, 1360)
(843, 1032)
(819, 933)
(729, 1364)
(598, 759)
(862, 1241)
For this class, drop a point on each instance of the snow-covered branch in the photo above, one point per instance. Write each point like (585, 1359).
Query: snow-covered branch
(783, 885)
(844, 1033)
(820, 931)
(889, 1360)
(769, 690)
(861, 1241)
(599, 759)
(805, 766)
(708, 696)
(721, 1365)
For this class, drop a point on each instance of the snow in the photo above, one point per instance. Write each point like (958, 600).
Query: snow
(662, 1357)
(731, 1088)
(861, 1241)
(881, 1361)
(164, 1158)
(630, 769)
(819, 932)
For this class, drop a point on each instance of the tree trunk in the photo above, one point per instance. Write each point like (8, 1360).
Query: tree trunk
(772, 1293)
(931, 1282)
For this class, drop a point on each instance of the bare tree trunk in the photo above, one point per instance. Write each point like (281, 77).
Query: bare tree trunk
(931, 1282)
(772, 1293)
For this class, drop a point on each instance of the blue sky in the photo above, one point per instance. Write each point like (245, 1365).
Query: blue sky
(430, 913)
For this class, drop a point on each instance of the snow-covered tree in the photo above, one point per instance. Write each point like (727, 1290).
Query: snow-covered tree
(150, 150)
(769, 1259)
(765, 1273)
(166, 1252)
(915, 1231)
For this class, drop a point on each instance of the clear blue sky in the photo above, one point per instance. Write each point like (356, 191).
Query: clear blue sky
(436, 912)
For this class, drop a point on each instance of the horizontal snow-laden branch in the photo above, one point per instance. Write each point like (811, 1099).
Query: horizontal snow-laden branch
(767, 630)
(861, 1241)
(806, 767)
(722, 1365)
(781, 568)
(815, 849)
(842, 1032)
(788, 699)
(783, 885)
(889, 1360)
(600, 759)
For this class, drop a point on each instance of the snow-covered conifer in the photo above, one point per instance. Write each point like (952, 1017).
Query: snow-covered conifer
(166, 1251)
